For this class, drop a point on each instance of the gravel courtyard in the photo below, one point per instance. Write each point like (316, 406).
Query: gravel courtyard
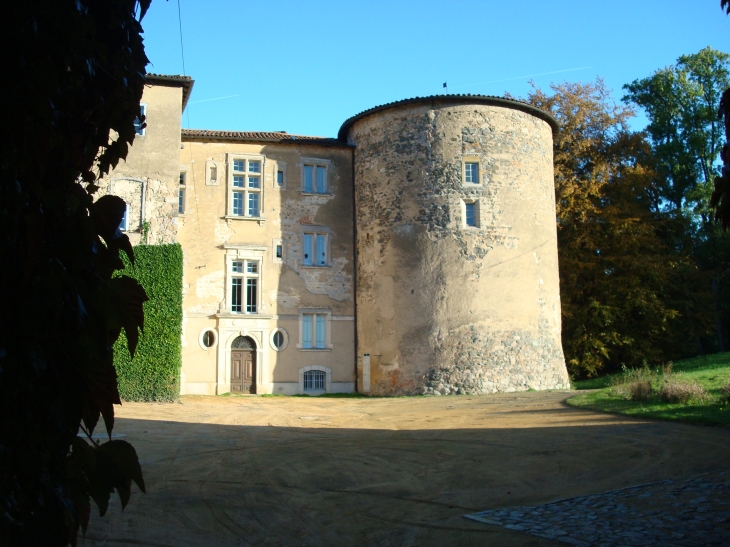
(297, 471)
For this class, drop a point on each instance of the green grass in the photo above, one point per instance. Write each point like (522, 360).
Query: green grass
(712, 372)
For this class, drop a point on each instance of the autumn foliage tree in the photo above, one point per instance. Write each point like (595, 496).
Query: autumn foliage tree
(75, 74)
(625, 284)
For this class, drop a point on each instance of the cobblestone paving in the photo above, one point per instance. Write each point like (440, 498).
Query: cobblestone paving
(691, 512)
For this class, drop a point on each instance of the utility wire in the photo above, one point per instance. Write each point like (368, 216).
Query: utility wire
(182, 52)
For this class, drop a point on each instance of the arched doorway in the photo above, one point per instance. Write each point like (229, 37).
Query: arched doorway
(243, 365)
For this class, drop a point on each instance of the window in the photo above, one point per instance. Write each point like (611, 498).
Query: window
(280, 179)
(471, 213)
(314, 249)
(124, 224)
(181, 194)
(207, 339)
(471, 172)
(139, 125)
(279, 251)
(314, 380)
(471, 219)
(314, 330)
(244, 286)
(245, 182)
(314, 177)
(279, 339)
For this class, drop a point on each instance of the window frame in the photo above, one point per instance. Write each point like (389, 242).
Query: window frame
(141, 131)
(471, 160)
(247, 192)
(477, 217)
(284, 334)
(314, 232)
(182, 192)
(245, 275)
(316, 163)
(326, 323)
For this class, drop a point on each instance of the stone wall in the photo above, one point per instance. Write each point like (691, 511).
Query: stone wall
(443, 306)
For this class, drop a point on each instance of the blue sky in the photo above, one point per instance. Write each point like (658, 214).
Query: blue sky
(304, 67)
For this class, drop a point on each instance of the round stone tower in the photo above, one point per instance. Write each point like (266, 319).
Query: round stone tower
(457, 260)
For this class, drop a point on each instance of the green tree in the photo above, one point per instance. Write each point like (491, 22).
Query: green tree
(681, 102)
(622, 284)
(77, 73)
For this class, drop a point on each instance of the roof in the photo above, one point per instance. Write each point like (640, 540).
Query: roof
(281, 137)
(463, 99)
(186, 82)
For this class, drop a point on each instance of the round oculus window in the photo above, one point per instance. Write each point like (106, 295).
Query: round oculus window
(208, 338)
(279, 339)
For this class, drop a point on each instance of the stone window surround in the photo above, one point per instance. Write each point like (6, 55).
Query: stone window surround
(184, 168)
(328, 378)
(242, 253)
(143, 108)
(200, 338)
(327, 164)
(328, 328)
(315, 229)
(218, 170)
(286, 339)
(230, 188)
(279, 166)
(477, 216)
(274, 244)
(471, 159)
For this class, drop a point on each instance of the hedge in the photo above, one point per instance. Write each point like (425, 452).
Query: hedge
(154, 373)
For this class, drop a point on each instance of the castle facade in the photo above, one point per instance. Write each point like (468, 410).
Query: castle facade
(414, 253)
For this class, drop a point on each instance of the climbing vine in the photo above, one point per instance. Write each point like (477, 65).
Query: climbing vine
(153, 374)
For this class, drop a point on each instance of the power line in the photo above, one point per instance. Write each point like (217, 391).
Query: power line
(182, 52)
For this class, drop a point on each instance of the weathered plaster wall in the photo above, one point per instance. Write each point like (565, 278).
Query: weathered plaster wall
(443, 306)
(148, 179)
(287, 286)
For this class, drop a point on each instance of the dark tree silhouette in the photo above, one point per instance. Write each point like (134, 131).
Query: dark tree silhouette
(75, 72)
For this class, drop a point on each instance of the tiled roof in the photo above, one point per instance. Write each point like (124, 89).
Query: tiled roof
(257, 136)
(464, 99)
(186, 82)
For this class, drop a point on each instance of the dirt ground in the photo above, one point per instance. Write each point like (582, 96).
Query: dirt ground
(270, 471)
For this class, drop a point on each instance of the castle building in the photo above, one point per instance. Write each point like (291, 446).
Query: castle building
(414, 253)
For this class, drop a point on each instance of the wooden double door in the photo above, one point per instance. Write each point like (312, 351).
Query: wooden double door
(243, 371)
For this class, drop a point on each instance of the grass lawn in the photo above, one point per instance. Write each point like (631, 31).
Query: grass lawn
(712, 372)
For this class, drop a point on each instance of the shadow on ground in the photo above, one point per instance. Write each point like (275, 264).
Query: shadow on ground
(405, 476)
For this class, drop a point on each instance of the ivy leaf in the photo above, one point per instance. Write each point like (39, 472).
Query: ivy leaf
(130, 296)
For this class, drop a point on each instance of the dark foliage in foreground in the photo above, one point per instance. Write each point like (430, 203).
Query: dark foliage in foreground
(75, 73)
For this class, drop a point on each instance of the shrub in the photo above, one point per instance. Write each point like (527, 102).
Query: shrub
(640, 390)
(680, 391)
(725, 393)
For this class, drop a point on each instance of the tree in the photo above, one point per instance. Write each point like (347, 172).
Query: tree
(620, 280)
(76, 74)
(681, 103)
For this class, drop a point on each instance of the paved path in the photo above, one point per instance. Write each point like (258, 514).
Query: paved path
(691, 512)
(398, 472)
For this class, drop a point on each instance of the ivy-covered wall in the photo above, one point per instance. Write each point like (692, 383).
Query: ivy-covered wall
(154, 373)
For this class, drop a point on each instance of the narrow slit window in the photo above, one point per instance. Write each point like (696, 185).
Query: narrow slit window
(280, 178)
(251, 294)
(307, 331)
(236, 294)
(309, 178)
(471, 217)
(279, 251)
(181, 201)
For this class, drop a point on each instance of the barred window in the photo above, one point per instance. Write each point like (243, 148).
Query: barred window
(314, 380)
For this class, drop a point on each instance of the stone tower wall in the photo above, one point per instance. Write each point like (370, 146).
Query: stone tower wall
(442, 306)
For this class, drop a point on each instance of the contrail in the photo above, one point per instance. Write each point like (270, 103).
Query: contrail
(216, 99)
(527, 76)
